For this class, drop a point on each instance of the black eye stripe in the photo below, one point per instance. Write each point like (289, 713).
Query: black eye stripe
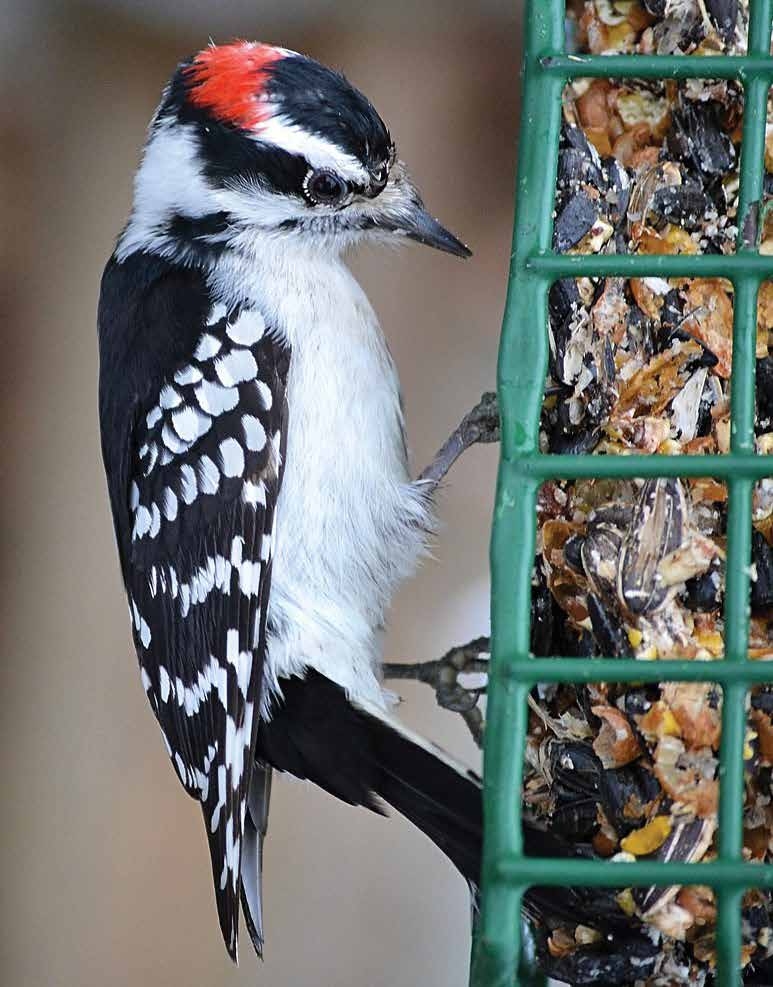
(228, 154)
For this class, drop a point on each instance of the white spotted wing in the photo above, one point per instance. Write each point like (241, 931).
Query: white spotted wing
(205, 478)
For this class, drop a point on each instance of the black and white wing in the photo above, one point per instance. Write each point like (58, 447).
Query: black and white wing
(202, 482)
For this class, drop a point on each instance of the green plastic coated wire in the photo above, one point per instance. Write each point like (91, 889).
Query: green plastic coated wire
(522, 368)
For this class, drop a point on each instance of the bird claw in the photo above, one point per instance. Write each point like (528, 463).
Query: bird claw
(481, 424)
(459, 679)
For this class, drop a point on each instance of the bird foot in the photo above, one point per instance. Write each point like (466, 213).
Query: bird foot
(459, 679)
(481, 424)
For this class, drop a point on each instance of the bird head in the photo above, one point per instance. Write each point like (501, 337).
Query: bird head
(253, 142)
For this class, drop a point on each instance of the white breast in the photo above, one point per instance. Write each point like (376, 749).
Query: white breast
(350, 525)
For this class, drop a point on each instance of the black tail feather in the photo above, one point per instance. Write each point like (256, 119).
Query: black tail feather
(443, 801)
(360, 757)
(255, 826)
(316, 733)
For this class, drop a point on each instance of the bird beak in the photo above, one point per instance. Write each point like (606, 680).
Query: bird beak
(399, 209)
(418, 225)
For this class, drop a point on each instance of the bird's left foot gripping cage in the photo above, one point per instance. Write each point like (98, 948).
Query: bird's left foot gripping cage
(507, 873)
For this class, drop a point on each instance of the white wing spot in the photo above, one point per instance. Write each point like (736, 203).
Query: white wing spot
(247, 329)
(208, 347)
(236, 367)
(155, 520)
(275, 459)
(264, 393)
(142, 521)
(153, 417)
(172, 441)
(188, 375)
(246, 576)
(170, 504)
(151, 452)
(234, 872)
(144, 633)
(180, 765)
(230, 735)
(237, 550)
(222, 573)
(202, 783)
(254, 493)
(254, 433)
(188, 486)
(209, 476)
(244, 671)
(164, 683)
(215, 821)
(169, 397)
(232, 647)
(221, 673)
(232, 457)
(215, 399)
(190, 424)
(256, 628)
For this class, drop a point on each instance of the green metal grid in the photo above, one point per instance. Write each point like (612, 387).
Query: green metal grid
(522, 368)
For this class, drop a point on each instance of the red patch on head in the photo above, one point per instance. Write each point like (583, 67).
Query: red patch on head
(228, 80)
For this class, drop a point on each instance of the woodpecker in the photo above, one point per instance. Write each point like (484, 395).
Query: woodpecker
(254, 445)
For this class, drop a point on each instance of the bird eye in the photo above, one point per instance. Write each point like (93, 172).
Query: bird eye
(324, 187)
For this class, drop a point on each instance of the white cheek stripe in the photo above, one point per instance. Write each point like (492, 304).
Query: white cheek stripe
(169, 179)
(317, 151)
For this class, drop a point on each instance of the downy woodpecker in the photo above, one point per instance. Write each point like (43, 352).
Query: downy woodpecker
(254, 446)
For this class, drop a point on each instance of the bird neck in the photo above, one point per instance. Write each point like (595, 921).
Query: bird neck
(297, 287)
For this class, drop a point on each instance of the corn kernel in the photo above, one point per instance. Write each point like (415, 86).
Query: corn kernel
(648, 838)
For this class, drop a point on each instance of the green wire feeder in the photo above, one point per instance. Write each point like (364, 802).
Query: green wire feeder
(522, 369)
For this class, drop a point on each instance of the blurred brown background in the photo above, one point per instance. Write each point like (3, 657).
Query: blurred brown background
(106, 878)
